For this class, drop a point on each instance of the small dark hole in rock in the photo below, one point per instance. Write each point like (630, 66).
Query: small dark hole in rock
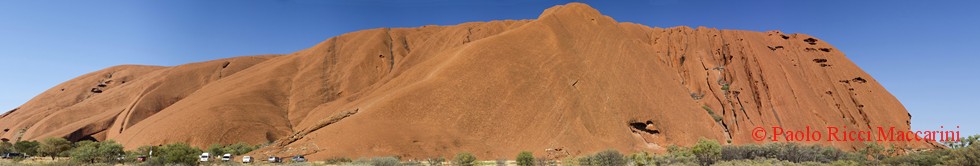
(820, 60)
(774, 48)
(643, 127)
(810, 41)
(859, 80)
(825, 49)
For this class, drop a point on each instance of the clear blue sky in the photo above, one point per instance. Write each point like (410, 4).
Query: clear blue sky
(923, 52)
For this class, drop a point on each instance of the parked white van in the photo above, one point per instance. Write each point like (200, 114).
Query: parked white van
(205, 156)
(247, 159)
(226, 157)
(274, 159)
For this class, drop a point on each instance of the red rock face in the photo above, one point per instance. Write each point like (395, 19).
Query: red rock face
(571, 82)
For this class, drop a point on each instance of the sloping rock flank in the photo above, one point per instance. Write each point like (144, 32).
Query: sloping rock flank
(571, 82)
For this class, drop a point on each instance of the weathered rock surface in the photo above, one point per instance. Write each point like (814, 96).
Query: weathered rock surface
(571, 82)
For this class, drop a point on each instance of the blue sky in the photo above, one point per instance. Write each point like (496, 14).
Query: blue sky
(923, 52)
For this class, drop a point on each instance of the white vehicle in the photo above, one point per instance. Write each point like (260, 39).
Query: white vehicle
(274, 159)
(205, 156)
(226, 157)
(247, 159)
(299, 158)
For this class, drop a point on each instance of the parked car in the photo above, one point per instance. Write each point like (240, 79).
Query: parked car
(226, 157)
(247, 159)
(141, 158)
(299, 158)
(205, 157)
(12, 155)
(274, 159)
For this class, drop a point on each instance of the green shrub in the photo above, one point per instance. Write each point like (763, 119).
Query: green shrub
(6, 147)
(359, 162)
(54, 147)
(239, 148)
(97, 152)
(712, 113)
(544, 162)
(216, 149)
(674, 160)
(385, 161)
(177, 153)
(608, 157)
(53, 163)
(676, 155)
(962, 142)
(437, 161)
(412, 163)
(525, 158)
(707, 151)
(234, 149)
(934, 157)
(109, 151)
(130, 156)
(761, 162)
(464, 159)
(338, 160)
(27, 147)
(679, 151)
(969, 155)
(876, 151)
(697, 96)
(792, 152)
(84, 151)
(642, 159)
(145, 150)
